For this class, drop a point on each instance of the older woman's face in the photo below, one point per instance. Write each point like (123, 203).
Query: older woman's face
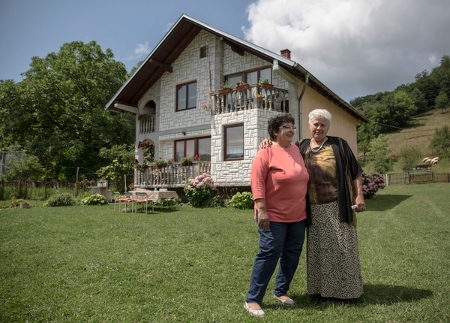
(319, 128)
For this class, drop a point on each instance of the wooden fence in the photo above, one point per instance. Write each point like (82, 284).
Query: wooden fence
(416, 178)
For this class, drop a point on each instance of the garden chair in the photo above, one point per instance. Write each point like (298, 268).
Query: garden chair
(116, 198)
(143, 199)
(126, 198)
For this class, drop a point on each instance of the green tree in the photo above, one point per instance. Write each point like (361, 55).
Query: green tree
(120, 163)
(409, 157)
(379, 153)
(442, 101)
(403, 108)
(57, 112)
(440, 143)
(22, 167)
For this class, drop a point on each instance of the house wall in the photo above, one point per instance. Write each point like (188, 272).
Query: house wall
(171, 125)
(232, 173)
(342, 125)
(192, 123)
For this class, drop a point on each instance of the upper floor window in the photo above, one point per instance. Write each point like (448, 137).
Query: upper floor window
(192, 147)
(203, 51)
(234, 142)
(251, 76)
(186, 96)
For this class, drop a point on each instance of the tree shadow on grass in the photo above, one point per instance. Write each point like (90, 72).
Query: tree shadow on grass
(385, 202)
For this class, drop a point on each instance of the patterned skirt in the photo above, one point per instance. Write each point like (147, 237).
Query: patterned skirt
(332, 255)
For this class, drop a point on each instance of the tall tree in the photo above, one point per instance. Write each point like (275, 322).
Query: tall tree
(442, 101)
(59, 109)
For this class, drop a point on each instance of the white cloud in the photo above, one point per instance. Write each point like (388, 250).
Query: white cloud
(355, 47)
(141, 50)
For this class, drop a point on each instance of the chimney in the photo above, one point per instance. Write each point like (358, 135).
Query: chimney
(286, 53)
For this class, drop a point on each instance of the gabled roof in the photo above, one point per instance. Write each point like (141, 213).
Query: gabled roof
(175, 42)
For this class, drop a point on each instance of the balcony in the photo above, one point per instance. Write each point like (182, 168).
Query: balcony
(250, 97)
(146, 123)
(171, 176)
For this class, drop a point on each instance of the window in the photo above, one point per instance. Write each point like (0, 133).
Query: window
(251, 77)
(234, 142)
(187, 96)
(203, 51)
(233, 79)
(193, 146)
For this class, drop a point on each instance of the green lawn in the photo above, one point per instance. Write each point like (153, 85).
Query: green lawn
(91, 264)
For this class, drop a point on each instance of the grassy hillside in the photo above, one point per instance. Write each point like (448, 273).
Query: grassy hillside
(418, 134)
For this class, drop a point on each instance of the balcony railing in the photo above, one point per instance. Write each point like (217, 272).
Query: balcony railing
(147, 124)
(253, 97)
(174, 175)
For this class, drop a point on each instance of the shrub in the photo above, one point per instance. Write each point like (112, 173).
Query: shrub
(61, 199)
(186, 161)
(242, 200)
(199, 190)
(216, 201)
(371, 183)
(170, 202)
(94, 199)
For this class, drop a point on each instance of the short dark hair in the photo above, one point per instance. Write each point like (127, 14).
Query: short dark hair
(275, 123)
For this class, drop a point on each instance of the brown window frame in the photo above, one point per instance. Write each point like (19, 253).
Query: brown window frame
(204, 51)
(195, 139)
(225, 136)
(187, 107)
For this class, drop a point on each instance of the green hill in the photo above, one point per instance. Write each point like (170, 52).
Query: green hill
(419, 133)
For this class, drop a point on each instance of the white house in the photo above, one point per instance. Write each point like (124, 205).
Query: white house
(185, 71)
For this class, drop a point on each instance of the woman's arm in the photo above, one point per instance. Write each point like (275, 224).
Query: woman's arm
(263, 218)
(359, 200)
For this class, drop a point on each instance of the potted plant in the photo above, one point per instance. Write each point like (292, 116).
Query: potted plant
(260, 97)
(160, 163)
(196, 157)
(186, 161)
(240, 86)
(206, 106)
(265, 84)
(225, 88)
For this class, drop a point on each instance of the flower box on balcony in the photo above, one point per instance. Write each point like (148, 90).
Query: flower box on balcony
(264, 84)
(242, 87)
(224, 91)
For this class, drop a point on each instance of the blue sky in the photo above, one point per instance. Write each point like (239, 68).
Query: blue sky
(354, 47)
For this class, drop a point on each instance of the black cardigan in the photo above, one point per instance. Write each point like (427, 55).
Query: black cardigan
(347, 169)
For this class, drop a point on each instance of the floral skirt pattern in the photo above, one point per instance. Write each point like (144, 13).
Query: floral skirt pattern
(332, 255)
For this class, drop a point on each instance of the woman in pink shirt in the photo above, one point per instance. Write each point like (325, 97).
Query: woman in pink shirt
(279, 182)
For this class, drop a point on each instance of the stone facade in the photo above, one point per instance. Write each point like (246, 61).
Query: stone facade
(192, 123)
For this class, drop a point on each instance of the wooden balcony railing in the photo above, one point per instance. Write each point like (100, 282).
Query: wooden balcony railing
(174, 175)
(253, 97)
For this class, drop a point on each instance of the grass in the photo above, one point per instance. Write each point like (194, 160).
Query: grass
(91, 264)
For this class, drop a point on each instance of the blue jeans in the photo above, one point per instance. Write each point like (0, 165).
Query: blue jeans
(283, 240)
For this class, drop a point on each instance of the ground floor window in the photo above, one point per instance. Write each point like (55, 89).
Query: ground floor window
(234, 142)
(195, 148)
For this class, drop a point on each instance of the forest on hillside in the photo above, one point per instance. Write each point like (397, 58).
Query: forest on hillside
(389, 112)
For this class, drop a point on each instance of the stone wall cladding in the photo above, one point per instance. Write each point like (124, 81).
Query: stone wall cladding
(170, 124)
